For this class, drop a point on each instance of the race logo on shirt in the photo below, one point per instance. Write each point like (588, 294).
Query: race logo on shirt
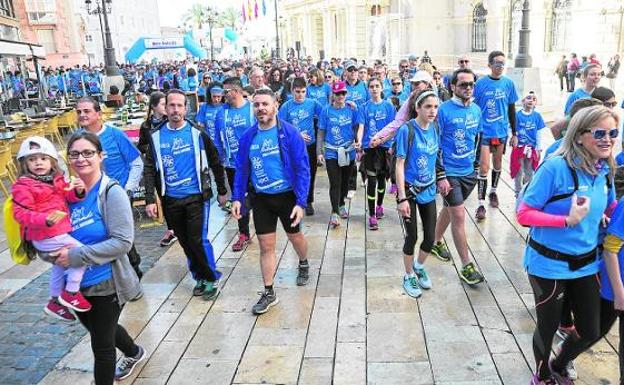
(80, 218)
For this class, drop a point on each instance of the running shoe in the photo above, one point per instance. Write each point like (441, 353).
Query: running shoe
(441, 252)
(266, 301)
(561, 377)
(379, 212)
(344, 214)
(372, 223)
(470, 274)
(58, 311)
(480, 214)
(351, 194)
(570, 368)
(334, 220)
(243, 240)
(303, 274)
(168, 239)
(75, 301)
(410, 285)
(309, 210)
(535, 380)
(493, 199)
(199, 288)
(423, 278)
(211, 291)
(127, 364)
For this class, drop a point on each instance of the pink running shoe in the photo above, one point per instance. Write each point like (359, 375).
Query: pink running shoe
(75, 301)
(372, 223)
(379, 212)
(58, 311)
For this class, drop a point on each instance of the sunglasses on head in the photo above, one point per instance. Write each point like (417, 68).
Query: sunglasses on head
(601, 133)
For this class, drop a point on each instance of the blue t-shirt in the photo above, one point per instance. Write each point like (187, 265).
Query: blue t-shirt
(230, 125)
(552, 178)
(267, 167)
(338, 125)
(402, 96)
(553, 147)
(301, 115)
(527, 127)
(494, 97)
(178, 160)
(619, 159)
(320, 93)
(579, 93)
(420, 165)
(207, 116)
(357, 93)
(616, 228)
(374, 117)
(119, 153)
(89, 228)
(459, 127)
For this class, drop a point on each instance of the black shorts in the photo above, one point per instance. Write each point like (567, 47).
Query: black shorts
(375, 160)
(461, 187)
(268, 207)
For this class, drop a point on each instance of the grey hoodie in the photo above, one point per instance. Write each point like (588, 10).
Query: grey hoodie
(117, 216)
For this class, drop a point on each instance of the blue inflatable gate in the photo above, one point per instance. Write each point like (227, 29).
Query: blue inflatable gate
(143, 44)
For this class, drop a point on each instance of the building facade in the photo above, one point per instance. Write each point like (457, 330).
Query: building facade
(393, 29)
(128, 21)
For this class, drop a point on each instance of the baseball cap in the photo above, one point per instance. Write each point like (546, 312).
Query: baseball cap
(421, 76)
(412, 57)
(37, 145)
(349, 63)
(216, 91)
(530, 93)
(339, 86)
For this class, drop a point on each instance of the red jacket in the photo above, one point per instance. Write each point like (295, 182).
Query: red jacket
(33, 200)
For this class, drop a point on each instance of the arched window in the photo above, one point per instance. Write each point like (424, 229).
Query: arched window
(559, 25)
(479, 29)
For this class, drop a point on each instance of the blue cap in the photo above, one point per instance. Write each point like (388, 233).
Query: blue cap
(216, 91)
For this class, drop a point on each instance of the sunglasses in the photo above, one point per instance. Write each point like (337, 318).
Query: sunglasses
(328, 77)
(602, 133)
(466, 85)
(609, 104)
(352, 69)
(497, 63)
(396, 84)
(463, 61)
(87, 154)
(340, 94)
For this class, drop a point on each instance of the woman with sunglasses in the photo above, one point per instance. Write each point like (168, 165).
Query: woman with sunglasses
(564, 205)
(201, 92)
(276, 82)
(318, 89)
(336, 148)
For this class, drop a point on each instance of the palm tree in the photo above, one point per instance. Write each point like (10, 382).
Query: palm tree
(196, 15)
(229, 17)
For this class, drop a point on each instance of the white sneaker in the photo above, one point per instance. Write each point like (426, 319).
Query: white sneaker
(572, 374)
(351, 194)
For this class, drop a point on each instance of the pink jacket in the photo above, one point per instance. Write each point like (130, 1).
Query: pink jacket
(33, 200)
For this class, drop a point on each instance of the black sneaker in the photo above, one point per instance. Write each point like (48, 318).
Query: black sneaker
(493, 199)
(199, 289)
(480, 214)
(471, 275)
(168, 239)
(210, 291)
(303, 276)
(309, 211)
(265, 302)
(127, 364)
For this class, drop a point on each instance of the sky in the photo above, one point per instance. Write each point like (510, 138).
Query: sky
(171, 11)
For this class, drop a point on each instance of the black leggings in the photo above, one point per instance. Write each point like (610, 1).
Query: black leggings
(338, 183)
(428, 217)
(572, 347)
(243, 223)
(106, 335)
(313, 165)
(374, 164)
(584, 299)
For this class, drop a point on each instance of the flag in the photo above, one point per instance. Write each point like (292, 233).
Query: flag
(264, 7)
(256, 9)
(243, 6)
(249, 10)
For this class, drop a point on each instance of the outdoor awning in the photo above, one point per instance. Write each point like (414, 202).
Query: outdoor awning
(18, 48)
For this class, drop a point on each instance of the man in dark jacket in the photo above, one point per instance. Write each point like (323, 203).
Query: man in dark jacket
(273, 161)
(177, 164)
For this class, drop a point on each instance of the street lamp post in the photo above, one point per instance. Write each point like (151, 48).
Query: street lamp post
(277, 38)
(102, 9)
(523, 59)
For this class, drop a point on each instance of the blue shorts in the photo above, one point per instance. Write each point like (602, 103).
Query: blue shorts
(493, 141)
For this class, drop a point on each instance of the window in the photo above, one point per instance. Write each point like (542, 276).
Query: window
(46, 39)
(41, 11)
(88, 38)
(560, 25)
(479, 32)
(6, 8)
(9, 32)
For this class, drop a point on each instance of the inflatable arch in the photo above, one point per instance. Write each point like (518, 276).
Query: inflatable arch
(143, 44)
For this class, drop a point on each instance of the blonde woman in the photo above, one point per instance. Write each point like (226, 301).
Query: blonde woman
(564, 205)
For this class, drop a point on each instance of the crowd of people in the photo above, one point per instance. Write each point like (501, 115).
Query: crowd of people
(257, 141)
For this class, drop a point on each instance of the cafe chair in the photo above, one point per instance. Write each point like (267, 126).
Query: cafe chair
(5, 173)
(51, 131)
(68, 121)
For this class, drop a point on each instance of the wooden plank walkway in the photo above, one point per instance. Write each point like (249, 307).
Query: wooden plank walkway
(352, 324)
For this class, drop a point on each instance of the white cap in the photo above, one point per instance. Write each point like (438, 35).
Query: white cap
(421, 76)
(37, 145)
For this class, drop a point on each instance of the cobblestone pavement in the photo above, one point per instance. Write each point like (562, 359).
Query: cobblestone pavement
(31, 343)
